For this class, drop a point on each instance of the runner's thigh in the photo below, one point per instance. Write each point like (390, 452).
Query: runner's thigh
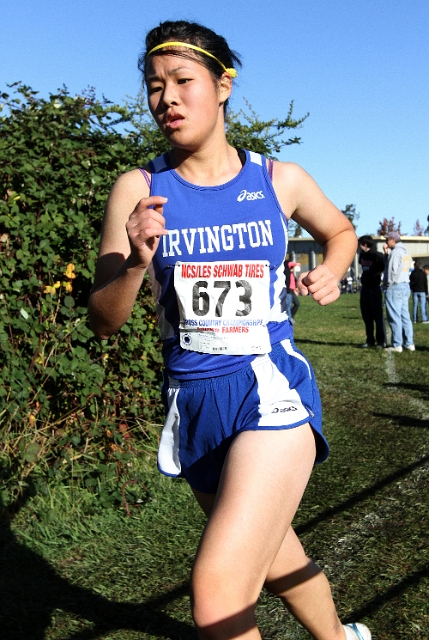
(262, 483)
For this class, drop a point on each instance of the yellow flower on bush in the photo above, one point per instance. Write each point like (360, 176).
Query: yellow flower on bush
(68, 286)
(69, 272)
(51, 289)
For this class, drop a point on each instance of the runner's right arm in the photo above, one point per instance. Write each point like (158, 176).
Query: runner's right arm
(128, 243)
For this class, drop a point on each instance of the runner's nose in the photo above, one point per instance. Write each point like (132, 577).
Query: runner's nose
(169, 96)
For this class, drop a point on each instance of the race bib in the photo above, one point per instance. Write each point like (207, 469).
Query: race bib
(224, 306)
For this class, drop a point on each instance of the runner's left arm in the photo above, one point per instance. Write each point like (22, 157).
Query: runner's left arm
(303, 201)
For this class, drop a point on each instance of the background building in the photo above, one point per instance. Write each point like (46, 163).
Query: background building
(310, 254)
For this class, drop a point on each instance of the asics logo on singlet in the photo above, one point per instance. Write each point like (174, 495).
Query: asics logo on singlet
(250, 195)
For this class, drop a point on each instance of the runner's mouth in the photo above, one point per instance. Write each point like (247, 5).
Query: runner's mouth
(174, 121)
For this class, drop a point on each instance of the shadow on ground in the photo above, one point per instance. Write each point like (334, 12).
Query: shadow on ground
(356, 498)
(380, 600)
(326, 343)
(31, 590)
(410, 386)
(404, 421)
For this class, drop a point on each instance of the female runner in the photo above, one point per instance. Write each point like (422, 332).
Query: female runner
(243, 423)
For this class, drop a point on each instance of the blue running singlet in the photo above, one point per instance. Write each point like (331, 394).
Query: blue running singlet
(218, 275)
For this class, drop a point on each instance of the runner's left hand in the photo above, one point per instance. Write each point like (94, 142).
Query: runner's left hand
(321, 283)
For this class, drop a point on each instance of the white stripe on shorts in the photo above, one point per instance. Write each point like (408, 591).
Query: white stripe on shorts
(168, 451)
(287, 346)
(279, 404)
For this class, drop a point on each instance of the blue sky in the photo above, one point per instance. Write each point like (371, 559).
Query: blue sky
(360, 67)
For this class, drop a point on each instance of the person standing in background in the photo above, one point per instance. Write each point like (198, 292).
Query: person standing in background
(397, 282)
(288, 291)
(371, 297)
(293, 289)
(419, 287)
(426, 270)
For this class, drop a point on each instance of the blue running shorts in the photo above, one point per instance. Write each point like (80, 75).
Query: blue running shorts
(275, 391)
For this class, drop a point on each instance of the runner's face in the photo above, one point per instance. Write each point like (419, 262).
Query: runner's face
(185, 101)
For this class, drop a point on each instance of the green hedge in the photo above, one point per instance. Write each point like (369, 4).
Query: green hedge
(67, 399)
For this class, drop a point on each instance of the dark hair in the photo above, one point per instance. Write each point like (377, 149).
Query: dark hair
(192, 33)
(417, 265)
(367, 240)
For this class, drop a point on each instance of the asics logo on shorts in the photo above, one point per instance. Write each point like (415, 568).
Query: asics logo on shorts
(250, 195)
(284, 409)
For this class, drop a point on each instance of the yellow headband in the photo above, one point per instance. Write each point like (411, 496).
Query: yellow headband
(232, 72)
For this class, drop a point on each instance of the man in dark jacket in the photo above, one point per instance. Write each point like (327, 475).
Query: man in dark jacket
(371, 299)
(419, 287)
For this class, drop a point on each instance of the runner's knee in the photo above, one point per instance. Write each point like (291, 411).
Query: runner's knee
(219, 600)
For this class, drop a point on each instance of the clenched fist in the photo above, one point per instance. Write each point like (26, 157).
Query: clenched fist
(144, 227)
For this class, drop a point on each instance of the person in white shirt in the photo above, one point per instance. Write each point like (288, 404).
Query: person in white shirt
(397, 283)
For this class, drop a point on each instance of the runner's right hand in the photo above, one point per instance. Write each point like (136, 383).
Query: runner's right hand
(144, 227)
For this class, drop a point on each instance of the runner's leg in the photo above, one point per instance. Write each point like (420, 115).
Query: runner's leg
(304, 589)
(248, 538)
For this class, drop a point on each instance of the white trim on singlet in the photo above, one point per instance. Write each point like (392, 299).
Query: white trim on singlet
(255, 157)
